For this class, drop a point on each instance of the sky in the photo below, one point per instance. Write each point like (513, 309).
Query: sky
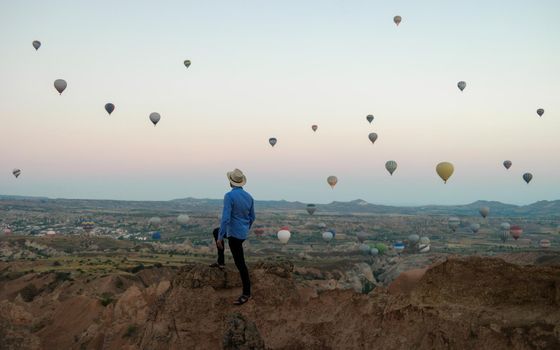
(264, 69)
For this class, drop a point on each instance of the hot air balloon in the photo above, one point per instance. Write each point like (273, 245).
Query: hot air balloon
(187, 63)
(372, 137)
(362, 236)
(332, 181)
(51, 233)
(391, 166)
(156, 236)
(516, 232)
(183, 219)
(374, 251)
(544, 243)
(311, 208)
(7, 231)
(445, 170)
(504, 235)
(327, 236)
(87, 225)
(36, 44)
(484, 211)
(413, 238)
(507, 164)
(16, 172)
(540, 112)
(332, 230)
(314, 127)
(453, 223)
(381, 248)
(369, 118)
(109, 107)
(272, 141)
(505, 226)
(154, 118)
(461, 85)
(284, 236)
(424, 245)
(322, 225)
(154, 221)
(527, 177)
(60, 85)
(397, 20)
(398, 246)
(364, 248)
(475, 227)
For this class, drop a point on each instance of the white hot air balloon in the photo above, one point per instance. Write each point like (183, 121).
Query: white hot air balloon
(327, 236)
(284, 236)
(183, 219)
(154, 221)
(364, 248)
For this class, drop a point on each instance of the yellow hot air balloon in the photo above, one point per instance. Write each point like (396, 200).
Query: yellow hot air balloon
(444, 170)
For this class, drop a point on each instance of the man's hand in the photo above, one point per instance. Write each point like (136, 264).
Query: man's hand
(220, 244)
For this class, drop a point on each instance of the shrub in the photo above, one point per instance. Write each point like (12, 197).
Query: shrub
(130, 331)
(63, 276)
(29, 292)
(106, 299)
(137, 268)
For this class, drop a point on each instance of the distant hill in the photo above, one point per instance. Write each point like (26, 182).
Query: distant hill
(544, 209)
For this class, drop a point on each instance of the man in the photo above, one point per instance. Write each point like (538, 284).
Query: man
(237, 218)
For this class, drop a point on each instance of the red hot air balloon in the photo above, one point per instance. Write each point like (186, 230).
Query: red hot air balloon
(516, 232)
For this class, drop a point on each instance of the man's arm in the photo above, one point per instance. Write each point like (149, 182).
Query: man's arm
(226, 216)
(252, 214)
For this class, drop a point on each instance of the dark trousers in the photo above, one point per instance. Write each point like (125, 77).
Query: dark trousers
(236, 247)
(221, 259)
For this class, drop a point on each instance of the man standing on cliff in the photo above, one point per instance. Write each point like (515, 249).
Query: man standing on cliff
(237, 218)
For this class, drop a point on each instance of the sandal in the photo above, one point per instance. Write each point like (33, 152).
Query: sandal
(242, 300)
(217, 265)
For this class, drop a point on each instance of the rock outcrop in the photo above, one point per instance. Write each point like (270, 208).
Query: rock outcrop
(460, 303)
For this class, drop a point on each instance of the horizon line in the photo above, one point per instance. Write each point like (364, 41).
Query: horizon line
(4, 196)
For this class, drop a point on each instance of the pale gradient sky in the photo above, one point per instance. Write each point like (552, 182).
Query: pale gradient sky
(272, 68)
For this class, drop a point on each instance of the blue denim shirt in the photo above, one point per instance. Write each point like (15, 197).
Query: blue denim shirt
(238, 215)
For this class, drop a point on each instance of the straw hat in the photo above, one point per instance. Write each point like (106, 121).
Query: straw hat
(236, 178)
